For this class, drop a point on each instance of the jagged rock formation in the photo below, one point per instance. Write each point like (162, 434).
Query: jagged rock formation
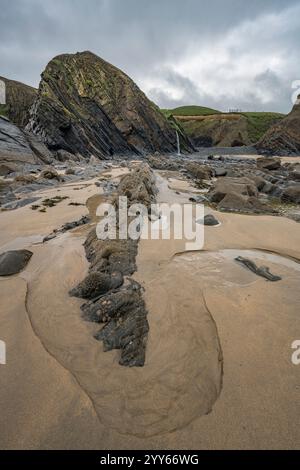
(283, 138)
(87, 106)
(114, 298)
(19, 99)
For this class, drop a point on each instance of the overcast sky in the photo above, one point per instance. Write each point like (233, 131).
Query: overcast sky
(218, 53)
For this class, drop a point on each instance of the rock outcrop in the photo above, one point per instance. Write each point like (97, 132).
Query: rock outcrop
(19, 99)
(18, 147)
(89, 107)
(283, 138)
(114, 298)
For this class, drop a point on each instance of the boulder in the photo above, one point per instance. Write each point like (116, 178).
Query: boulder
(199, 171)
(13, 262)
(209, 220)
(220, 172)
(268, 163)
(50, 174)
(291, 194)
(234, 202)
(227, 185)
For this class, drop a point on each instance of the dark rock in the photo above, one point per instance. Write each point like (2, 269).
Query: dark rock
(13, 262)
(68, 226)
(97, 284)
(209, 220)
(128, 333)
(262, 271)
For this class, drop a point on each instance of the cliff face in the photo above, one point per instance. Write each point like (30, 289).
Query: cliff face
(217, 130)
(19, 99)
(283, 138)
(87, 106)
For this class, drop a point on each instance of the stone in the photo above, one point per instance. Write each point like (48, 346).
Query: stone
(50, 174)
(268, 163)
(262, 271)
(199, 171)
(209, 220)
(220, 172)
(227, 185)
(291, 194)
(13, 262)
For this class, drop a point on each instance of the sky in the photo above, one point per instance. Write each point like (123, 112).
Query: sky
(224, 54)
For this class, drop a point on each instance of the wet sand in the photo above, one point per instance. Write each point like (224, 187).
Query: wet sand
(64, 392)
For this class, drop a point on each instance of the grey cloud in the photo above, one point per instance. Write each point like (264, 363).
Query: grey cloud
(145, 39)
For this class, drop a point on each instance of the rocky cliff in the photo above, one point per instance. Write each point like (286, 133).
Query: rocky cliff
(87, 106)
(283, 138)
(226, 129)
(19, 99)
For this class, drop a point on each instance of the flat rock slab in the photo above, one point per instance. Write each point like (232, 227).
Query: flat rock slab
(13, 262)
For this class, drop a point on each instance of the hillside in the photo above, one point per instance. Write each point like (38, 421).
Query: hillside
(208, 127)
(87, 106)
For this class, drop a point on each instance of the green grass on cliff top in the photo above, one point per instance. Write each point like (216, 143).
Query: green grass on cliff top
(258, 122)
(191, 111)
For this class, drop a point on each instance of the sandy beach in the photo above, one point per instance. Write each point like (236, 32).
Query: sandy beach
(218, 370)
